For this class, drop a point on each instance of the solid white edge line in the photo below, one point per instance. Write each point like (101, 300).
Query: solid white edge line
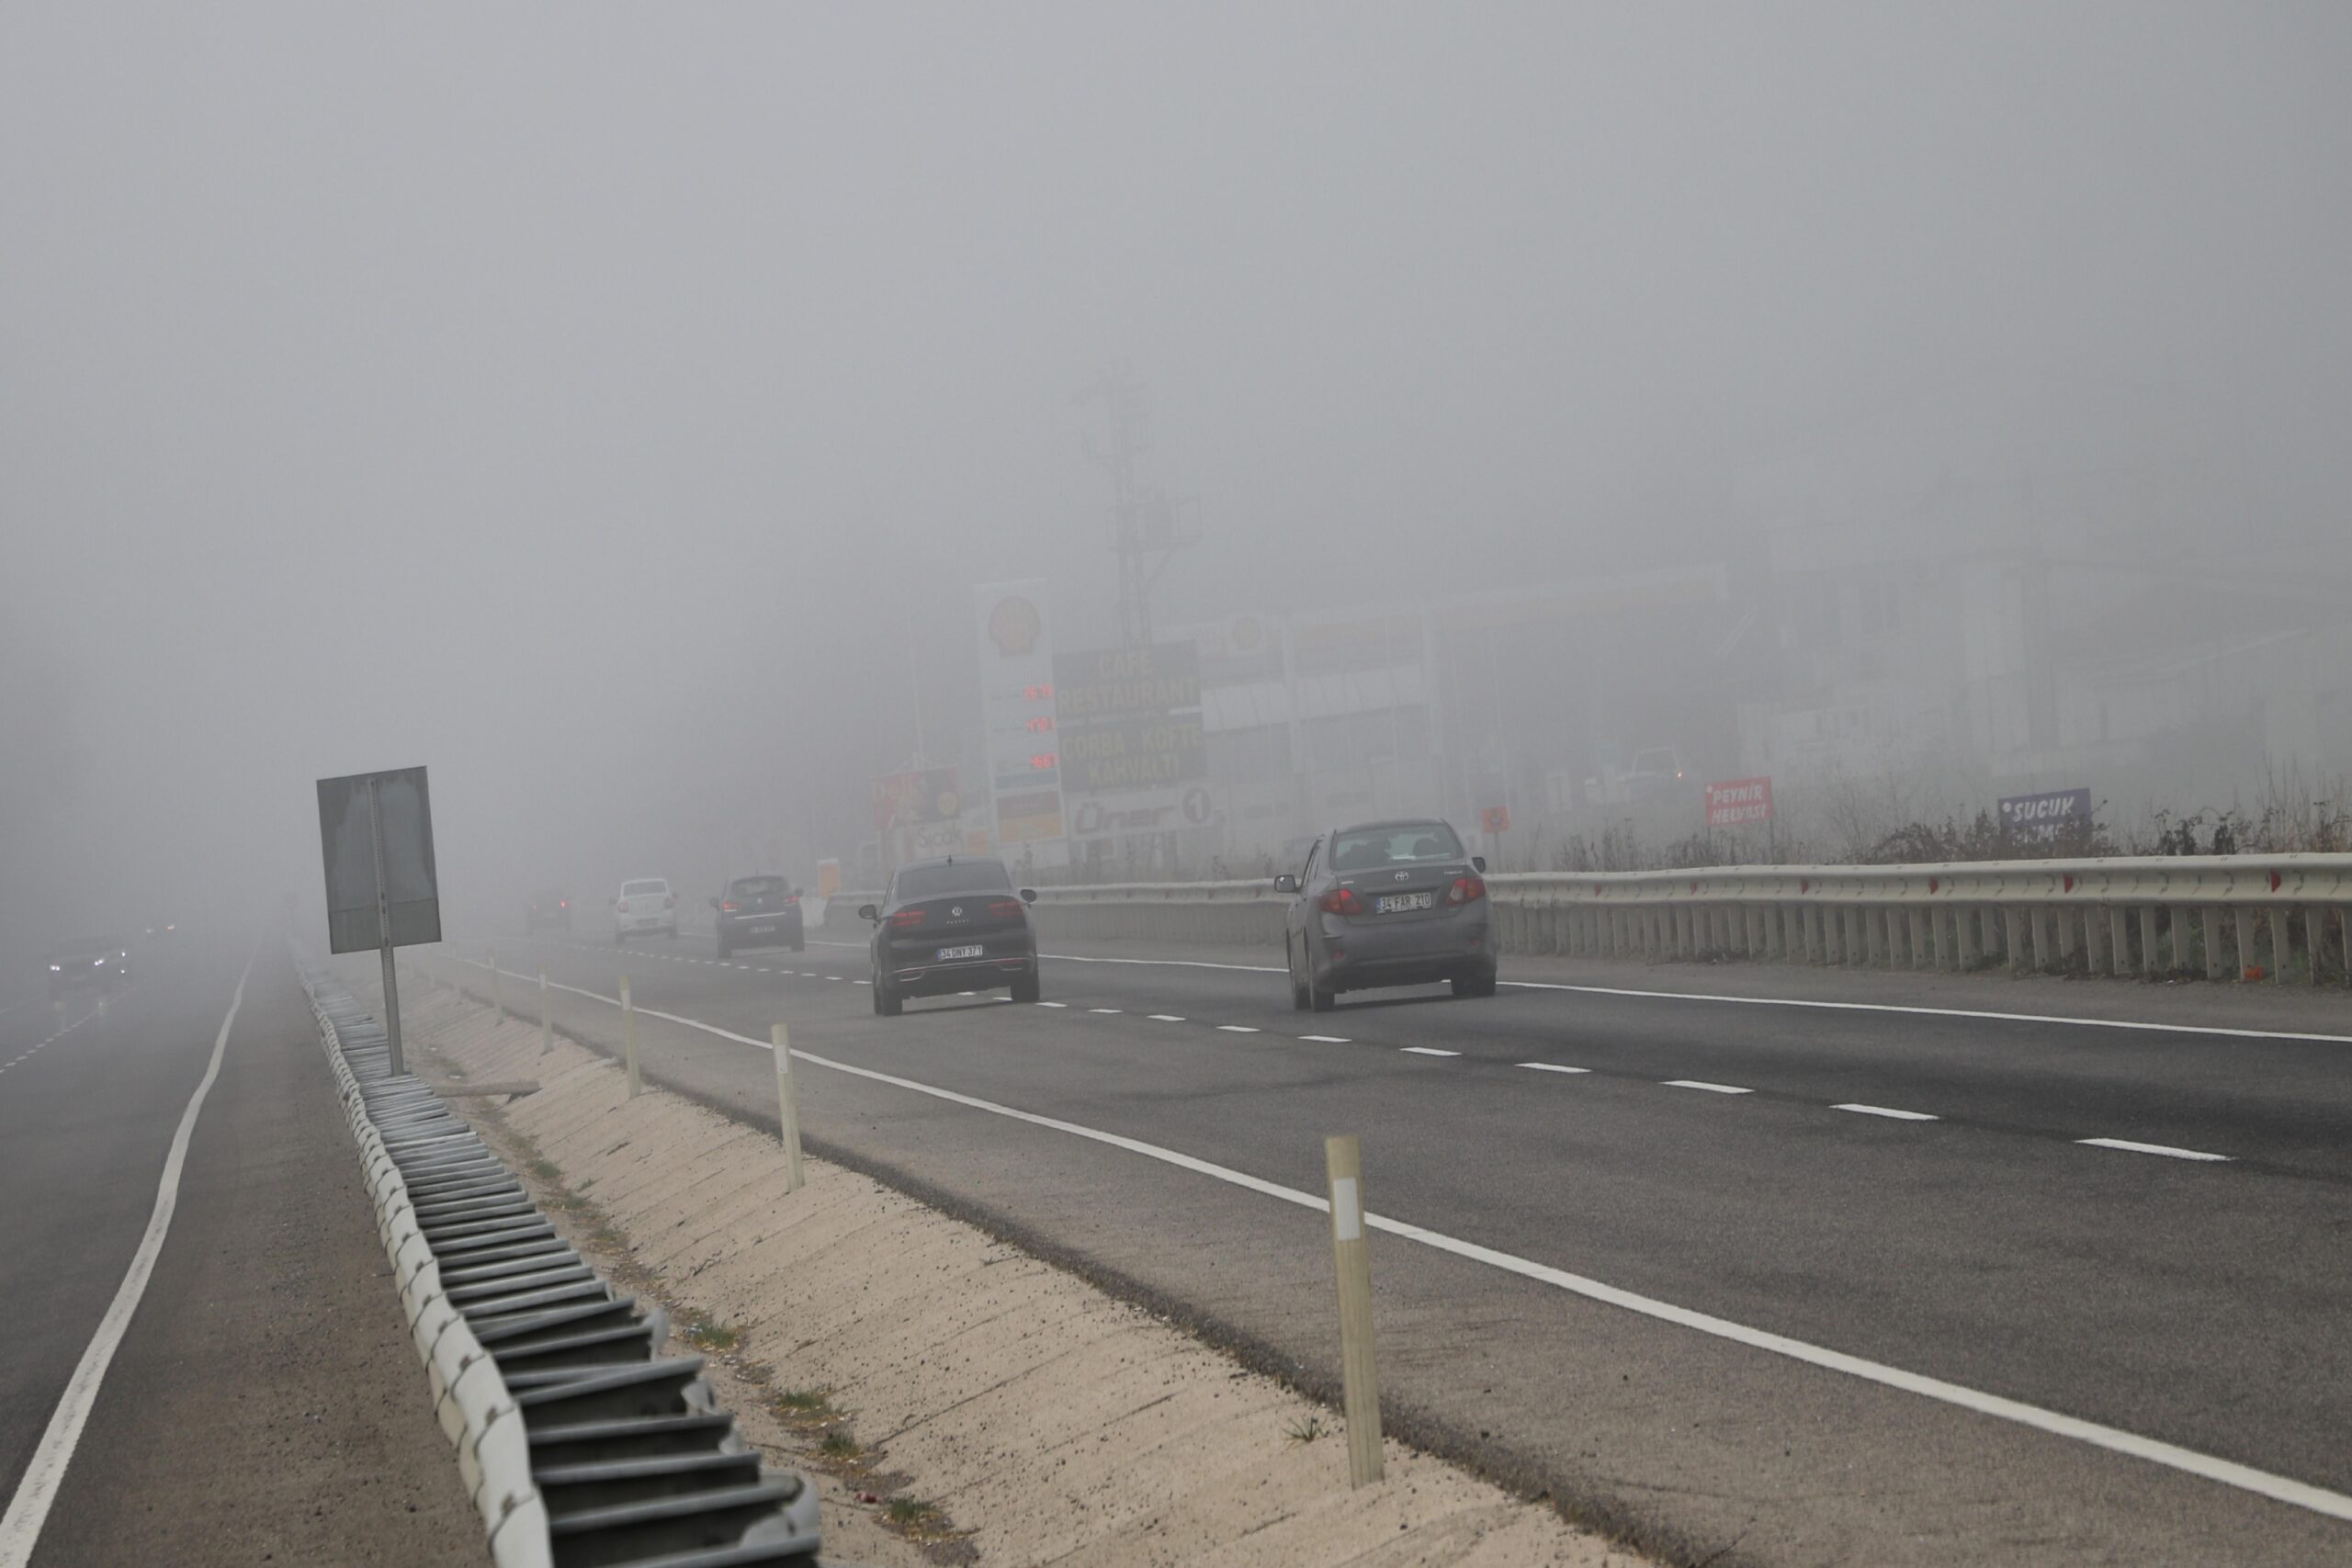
(1709, 1088)
(2128, 1147)
(1552, 1067)
(28, 1509)
(1889, 1112)
(2227, 1473)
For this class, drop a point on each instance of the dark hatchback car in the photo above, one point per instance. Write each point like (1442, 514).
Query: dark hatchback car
(1386, 904)
(101, 963)
(548, 910)
(759, 911)
(949, 926)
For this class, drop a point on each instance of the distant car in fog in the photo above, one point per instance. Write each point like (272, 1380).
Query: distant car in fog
(161, 929)
(759, 911)
(1386, 904)
(548, 911)
(96, 963)
(645, 906)
(952, 925)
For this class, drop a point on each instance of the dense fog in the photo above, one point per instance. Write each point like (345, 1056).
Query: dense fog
(615, 408)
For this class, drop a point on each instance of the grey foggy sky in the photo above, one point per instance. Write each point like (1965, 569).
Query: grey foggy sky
(567, 351)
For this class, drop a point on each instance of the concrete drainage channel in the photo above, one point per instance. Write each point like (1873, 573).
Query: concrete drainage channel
(581, 1444)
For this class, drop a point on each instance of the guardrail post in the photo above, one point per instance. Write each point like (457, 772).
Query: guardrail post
(2064, 918)
(2314, 936)
(2213, 935)
(1352, 1259)
(2119, 940)
(547, 1022)
(2343, 931)
(629, 1038)
(788, 1106)
(2246, 941)
(2282, 943)
(497, 998)
(2151, 957)
(1968, 943)
(2094, 940)
(1919, 939)
(2013, 938)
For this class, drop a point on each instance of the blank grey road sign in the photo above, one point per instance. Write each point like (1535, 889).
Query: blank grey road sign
(413, 894)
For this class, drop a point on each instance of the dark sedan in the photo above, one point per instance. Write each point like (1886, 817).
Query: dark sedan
(1386, 904)
(759, 911)
(101, 963)
(950, 926)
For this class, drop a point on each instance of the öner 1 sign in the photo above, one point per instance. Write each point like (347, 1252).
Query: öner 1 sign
(365, 821)
(1737, 802)
(2040, 819)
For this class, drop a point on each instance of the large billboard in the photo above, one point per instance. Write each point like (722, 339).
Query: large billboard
(1019, 720)
(1148, 752)
(912, 798)
(1736, 802)
(1131, 736)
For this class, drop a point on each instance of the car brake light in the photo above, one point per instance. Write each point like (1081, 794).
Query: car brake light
(727, 907)
(669, 903)
(1342, 901)
(563, 903)
(907, 920)
(790, 899)
(1004, 909)
(1465, 890)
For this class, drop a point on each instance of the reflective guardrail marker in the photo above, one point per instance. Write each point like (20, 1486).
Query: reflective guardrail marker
(788, 1106)
(1352, 1258)
(629, 1038)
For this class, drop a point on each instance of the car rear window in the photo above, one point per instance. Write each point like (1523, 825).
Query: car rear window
(632, 889)
(964, 876)
(1368, 849)
(756, 887)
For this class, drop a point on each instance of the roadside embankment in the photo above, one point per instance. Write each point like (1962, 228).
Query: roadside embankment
(970, 1403)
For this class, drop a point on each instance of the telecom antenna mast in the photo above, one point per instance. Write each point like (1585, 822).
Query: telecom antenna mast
(1143, 520)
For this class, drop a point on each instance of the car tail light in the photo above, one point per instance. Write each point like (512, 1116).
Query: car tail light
(669, 903)
(790, 899)
(1342, 901)
(563, 903)
(727, 907)
(907, 920)
(1004, 909)
(1466, 890)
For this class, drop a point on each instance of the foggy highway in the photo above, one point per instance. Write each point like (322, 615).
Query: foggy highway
(1766, 1166)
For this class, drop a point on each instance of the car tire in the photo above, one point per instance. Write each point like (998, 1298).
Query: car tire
(1318, 1000)
(1299, 1001)
(1479, 983)
(801, 944)
(885, 1000)
(725, 953)
(1027, 989)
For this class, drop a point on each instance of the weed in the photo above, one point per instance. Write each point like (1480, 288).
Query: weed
(911, 1513)
(1305, 1429)
(711, 1334)
(545, 1170)
(840, 1446)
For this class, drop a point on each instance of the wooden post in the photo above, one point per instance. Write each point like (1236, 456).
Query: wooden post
(629, 1038)
(497, 998)
(547, 1024)
(1351, 1258)
(788, 1108)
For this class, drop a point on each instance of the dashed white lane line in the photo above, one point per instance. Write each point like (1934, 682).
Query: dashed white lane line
(837, 977)
(1053, 1004)
(1552, 1067)
(2228, 1472)
(1165, 1018)
(1887, 1110)
(861, 982)
(1426, 1051)
(1327, 1039)
(1102, 1009)
(1709, 1088)
(1235, 1029)
(2128, 1147)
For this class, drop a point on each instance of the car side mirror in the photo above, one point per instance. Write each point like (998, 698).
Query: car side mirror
(1479, 862)
(714, 903)
(868, 912)
(1285, 883)
(1028, 895)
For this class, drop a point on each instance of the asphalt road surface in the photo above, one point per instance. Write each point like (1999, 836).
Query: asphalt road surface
(263, 1403)
(1911, 1191)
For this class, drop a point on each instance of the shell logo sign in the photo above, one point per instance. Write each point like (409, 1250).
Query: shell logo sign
(1014, 625)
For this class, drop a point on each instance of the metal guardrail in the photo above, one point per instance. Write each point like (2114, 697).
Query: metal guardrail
(582, 1445)
(2218, 915)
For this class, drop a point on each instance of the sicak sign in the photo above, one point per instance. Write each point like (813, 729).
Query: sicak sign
(1737, 802)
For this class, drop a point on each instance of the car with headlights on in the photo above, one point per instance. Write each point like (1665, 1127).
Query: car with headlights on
(1386, 904)
(92, 963)
(948, 926)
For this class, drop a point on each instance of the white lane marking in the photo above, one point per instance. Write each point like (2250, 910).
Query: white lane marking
(1773, 1001)
(1166, 1018)
(1326, 1039)
(1235, 1029)
(2128, 1147)
(28, 1509)
(1102, 1009)
(807, 973)
(1053, 1004)
(1426, 1051)
(2227, 1473)
(861, 982)
(1709, 1088)
(1887, 1110)
(1553, 1068)
(837, 977)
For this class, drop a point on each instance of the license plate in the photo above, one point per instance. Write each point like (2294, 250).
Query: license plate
(947, 952)
(1395, 903)
(761, 931)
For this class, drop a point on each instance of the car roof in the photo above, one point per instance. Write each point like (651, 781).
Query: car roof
(758, 877)
(1396, 822)
(996, 861)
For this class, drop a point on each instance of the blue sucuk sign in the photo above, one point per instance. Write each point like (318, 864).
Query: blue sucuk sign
(2031, 818)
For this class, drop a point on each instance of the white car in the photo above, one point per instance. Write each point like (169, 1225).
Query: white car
(645, 906)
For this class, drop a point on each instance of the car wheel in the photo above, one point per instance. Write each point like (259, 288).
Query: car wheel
(1299, 1001)
(801, 944)
(1318, 1000)
(1478, 982)
(1028, 989)
(885, 1000)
